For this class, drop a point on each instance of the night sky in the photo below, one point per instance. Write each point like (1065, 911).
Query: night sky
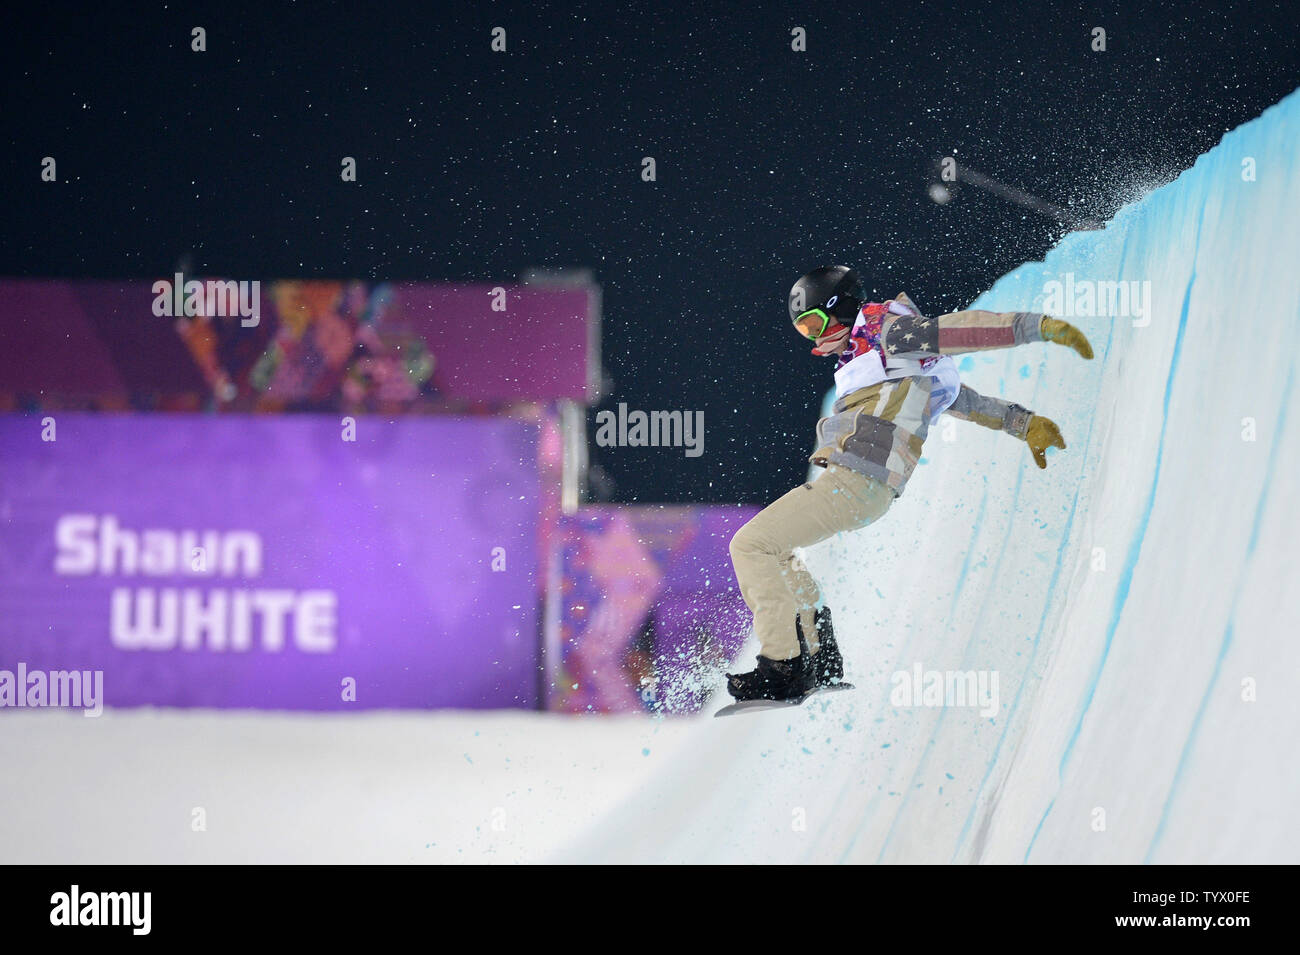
(477, 166)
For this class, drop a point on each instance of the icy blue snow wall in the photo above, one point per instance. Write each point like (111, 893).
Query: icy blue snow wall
(1149, 632)
(1168, 695)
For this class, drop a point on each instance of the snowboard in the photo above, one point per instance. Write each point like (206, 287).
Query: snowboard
(754, 706)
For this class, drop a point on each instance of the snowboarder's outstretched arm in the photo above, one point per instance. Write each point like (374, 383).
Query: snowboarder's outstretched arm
(994, 413)
(976, 330)
(1016, 420)
(959, 332)
(916, 336)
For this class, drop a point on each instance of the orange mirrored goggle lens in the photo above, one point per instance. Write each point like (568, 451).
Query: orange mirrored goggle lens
(813, 323)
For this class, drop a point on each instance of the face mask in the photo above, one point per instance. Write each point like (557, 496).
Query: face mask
(833, 341)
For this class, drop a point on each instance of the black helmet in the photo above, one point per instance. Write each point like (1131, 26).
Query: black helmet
(834, 288)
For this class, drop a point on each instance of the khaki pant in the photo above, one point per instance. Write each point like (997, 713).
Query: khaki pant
(774, 582)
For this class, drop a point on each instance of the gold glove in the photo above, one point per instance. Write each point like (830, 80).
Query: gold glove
(1043, 433)
(1063, 333)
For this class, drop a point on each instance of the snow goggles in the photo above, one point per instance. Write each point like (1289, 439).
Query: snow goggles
(813, 323)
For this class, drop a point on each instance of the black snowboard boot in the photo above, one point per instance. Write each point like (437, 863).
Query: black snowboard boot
(827, 663)
(774, 679)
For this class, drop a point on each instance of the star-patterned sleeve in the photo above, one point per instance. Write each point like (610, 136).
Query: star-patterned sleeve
(959, 332)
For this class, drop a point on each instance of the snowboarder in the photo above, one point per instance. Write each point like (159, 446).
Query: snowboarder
(893, 377)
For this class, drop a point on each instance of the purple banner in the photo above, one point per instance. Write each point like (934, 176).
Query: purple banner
(644, 612)
(184, 343)
(272, 562)
(544, 344)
